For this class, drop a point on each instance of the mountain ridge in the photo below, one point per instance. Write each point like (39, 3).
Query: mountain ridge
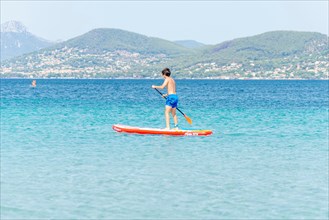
(108, 39)
(190, 43)
(108, 53)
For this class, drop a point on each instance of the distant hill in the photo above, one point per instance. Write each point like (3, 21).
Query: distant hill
(16, 40)
(276, 54)
(189, 43)
(106, 39)
(270, 45)
(114, 53)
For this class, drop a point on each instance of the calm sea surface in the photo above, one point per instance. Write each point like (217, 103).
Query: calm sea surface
(267, 158)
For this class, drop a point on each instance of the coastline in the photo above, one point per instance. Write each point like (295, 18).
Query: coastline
(148, 78)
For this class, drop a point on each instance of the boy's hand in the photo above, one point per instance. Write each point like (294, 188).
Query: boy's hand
(153, 86)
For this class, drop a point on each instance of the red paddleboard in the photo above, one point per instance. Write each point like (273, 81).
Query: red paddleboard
(157, 131)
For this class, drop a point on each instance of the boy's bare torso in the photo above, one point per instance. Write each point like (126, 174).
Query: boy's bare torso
(171, 85)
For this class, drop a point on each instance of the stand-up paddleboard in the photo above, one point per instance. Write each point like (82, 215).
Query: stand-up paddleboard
(156, 131)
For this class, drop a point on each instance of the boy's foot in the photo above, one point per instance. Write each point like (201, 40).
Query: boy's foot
(166, 128)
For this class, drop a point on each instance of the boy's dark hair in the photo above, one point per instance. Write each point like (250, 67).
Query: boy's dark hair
(166, 71)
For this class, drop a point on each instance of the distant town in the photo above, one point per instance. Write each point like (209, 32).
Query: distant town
(77, 63)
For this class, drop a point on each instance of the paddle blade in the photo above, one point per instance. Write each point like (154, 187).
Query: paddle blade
(188, 119)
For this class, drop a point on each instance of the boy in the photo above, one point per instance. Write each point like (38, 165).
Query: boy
(172, 98)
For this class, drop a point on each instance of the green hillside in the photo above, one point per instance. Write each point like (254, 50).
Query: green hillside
(270, 45)
(99, 40)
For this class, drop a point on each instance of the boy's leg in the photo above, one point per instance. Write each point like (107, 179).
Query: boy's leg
(173, 112)
(167, 110)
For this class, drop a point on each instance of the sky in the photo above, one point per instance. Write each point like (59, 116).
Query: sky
(208, 22)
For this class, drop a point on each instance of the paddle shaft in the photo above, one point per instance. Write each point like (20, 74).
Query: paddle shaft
(166, 98)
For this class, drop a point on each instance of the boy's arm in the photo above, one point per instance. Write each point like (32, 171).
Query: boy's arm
(165, 83)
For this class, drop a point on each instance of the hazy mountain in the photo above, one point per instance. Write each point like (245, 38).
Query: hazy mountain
(13, 26)
(190, 43)
(16, 40)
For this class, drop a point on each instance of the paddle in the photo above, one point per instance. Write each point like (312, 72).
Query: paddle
(186, 117)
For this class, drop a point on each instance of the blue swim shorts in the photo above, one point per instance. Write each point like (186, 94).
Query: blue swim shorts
(172, 100)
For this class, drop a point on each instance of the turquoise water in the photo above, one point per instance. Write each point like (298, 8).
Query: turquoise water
(267, 158)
